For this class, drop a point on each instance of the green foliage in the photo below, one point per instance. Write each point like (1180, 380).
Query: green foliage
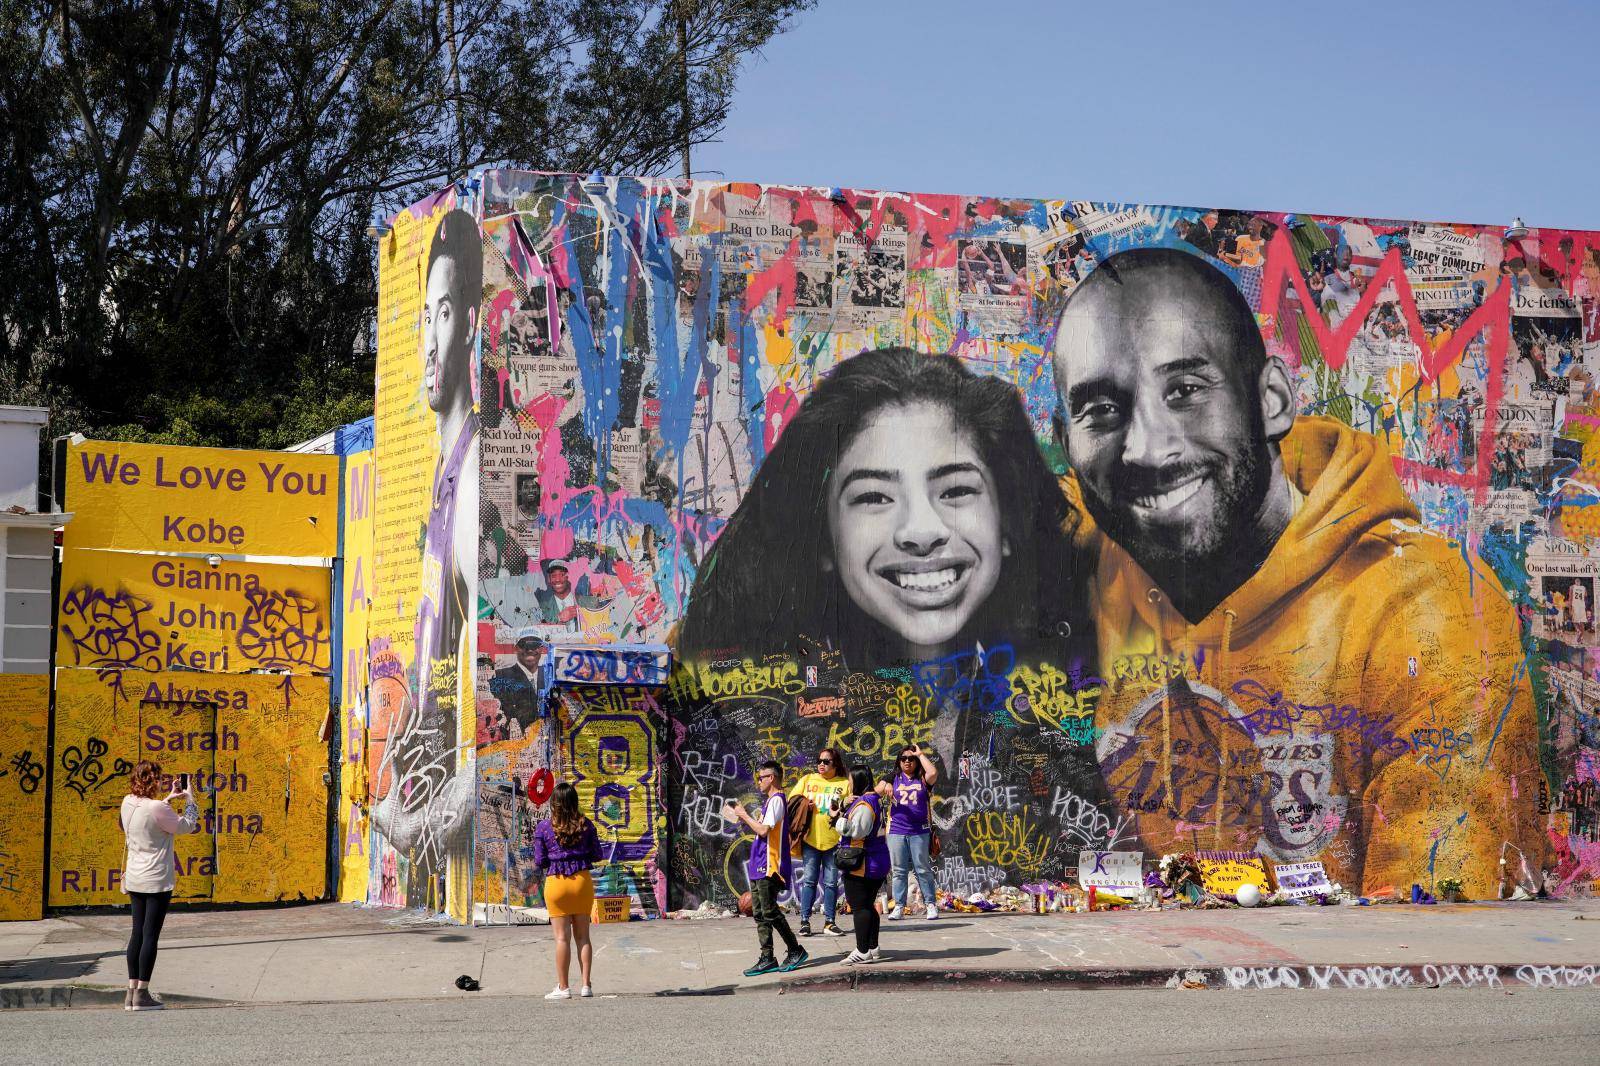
(185, 187)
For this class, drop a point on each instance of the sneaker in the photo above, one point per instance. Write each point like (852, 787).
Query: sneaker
(933, 912)
(143, 1000)
(559, 993)
(898, 913)
(127, 1000)
(855, 958)
(805, 927)
(795, 959)
(765, 964)
(874, 955)
(832, 929)
(585, 992)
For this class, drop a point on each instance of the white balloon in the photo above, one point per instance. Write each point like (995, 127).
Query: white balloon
(1248, 895)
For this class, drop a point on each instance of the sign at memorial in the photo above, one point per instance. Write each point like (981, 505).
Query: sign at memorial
(127, 611)
(1297, 880)
(250, 745)
(1223, 873)
(1117, 871)
(154, 497)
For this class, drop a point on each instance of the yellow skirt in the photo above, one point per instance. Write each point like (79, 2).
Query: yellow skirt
(569, 895)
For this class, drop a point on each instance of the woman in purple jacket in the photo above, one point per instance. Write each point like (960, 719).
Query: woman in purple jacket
(862, 825)
(565, 845)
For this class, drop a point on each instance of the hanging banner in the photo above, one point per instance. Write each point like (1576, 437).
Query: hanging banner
(24, 740)
(249, 743)
(154, 497)
(126, 611)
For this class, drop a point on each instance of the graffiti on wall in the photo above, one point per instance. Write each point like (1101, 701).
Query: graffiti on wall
(1164, 527)
(24, 747)
(249, 744)
(127, 611)
(611, 752)
(174, 645)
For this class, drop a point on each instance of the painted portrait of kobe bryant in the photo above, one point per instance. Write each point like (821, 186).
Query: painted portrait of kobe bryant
(1272, 620)
(427, 811)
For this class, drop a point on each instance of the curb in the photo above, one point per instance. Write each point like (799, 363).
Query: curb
(104, 997)
(1295, 977)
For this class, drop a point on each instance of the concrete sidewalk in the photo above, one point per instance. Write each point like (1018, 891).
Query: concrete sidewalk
(348, 953)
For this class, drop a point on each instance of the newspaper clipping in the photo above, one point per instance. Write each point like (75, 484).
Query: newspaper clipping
(1562, 579)
(869, 279)
(992, 281)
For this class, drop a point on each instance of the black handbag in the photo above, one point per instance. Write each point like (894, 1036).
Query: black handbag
(850, 856)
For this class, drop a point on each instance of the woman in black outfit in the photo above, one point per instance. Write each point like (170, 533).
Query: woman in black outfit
(861, 826)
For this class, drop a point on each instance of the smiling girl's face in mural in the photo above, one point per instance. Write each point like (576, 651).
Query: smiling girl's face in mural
(915, 525)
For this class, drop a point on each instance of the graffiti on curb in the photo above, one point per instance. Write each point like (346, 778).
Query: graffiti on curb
(1411, 976)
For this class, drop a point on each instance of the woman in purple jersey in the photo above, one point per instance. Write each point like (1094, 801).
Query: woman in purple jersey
(910, 835)
(862, 825)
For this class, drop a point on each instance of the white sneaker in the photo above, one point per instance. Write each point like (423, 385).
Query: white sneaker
(874, 955)
(933, 912)
(898, 913)
(585, 992)
(559, 993)
(856, 958)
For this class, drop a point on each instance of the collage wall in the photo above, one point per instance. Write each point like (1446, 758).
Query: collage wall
(1157, 527)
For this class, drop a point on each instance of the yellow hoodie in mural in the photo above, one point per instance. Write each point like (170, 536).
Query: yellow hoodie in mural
(1378, 713)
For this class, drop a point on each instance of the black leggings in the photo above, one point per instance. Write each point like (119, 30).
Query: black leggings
(862, 892)
(149, 912)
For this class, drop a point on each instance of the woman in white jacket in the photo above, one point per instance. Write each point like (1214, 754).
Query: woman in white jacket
(150, 870)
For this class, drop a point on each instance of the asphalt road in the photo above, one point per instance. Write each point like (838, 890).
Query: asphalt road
(1457, 1027)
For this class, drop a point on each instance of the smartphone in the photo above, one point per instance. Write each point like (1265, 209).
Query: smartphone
(180, 783)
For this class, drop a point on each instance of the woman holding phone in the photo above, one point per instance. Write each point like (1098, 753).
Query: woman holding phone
(150, 871)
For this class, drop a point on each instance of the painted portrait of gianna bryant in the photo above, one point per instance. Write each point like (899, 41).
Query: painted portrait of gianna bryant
(906, 513)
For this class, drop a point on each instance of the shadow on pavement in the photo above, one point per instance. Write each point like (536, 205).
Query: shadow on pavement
(52, 968)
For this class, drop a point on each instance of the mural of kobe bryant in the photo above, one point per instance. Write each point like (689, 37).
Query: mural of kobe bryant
(904, 514)
(1283, 645)
(428, 811)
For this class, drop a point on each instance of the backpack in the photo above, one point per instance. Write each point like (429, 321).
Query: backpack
(800, 812)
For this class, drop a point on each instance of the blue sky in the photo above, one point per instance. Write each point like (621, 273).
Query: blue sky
(1466, 112)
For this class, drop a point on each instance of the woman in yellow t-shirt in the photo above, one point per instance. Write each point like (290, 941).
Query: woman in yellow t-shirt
(827, 788)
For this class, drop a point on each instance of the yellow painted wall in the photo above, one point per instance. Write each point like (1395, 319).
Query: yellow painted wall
(24, 738)
(157, 497)
(356, 595)
(251, 740)
(161, 612)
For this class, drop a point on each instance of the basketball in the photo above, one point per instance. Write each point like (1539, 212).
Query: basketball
(745, 907)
